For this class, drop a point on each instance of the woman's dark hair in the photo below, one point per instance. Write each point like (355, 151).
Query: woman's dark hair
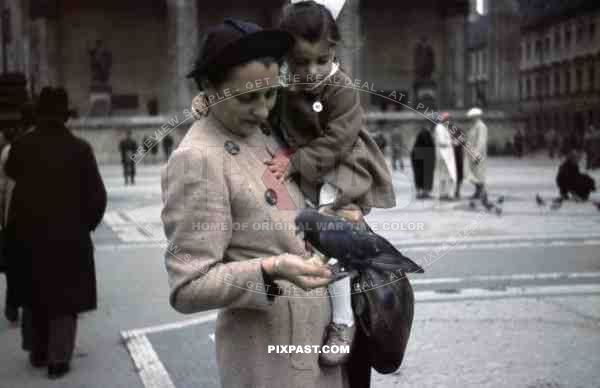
(311, 21)
(216, 75)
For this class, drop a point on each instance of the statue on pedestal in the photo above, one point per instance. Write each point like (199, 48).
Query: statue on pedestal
(100, 65)
(425, 88)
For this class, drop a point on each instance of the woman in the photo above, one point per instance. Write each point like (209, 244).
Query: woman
(231, 222)
(423, 162)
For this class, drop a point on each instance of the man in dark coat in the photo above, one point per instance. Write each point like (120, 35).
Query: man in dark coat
(128, 148)
(458, 139)
(423, 162)
(167, 144)
(571, 181)
(59, 198)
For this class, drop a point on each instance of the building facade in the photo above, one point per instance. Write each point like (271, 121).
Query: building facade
(152, 45)
(560, 66)
(493, 55)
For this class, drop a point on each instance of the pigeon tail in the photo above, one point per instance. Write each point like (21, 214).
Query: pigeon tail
(388, 262)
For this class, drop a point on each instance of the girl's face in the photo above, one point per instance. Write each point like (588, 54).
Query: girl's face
(252, 97)
(310, 62)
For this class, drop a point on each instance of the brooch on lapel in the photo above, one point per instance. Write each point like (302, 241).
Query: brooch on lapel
(232, 147)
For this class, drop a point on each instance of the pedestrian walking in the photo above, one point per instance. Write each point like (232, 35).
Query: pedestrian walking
(59, 198)
(236, 54)
(11, 264)
(423, 162)
(154, 152)
(553, 142)
(445, 171)
(128, 148)
(519, 141)
(11, 309)
(167, 144)
(397, 149)
(146, 144)
(476, 152)
(459, 156)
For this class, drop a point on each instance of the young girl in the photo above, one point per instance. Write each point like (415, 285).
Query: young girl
(319, 117)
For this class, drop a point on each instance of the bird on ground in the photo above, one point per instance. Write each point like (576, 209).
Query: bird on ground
(597, 204)
(556, 203)
(539, 200)
(486, 202)
(500, 200)
(353, 244)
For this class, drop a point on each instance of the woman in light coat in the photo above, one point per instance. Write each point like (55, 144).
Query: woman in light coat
(230, 223)
(476, 152)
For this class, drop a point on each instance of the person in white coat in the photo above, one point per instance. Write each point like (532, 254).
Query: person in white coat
(476, 152)
(445, 163)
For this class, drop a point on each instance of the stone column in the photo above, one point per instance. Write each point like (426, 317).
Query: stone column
(45, 52)
(456, 26)
(183, 33)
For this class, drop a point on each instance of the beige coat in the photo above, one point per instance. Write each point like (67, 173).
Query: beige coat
(205, 187)
(476, 153)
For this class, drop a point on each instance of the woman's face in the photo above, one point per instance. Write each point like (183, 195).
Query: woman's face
(252, 90)
(310, 62)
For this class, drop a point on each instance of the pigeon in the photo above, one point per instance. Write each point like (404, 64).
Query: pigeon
(353, 244)
(472, 205)
(500, 200)
(486, 203)
(539, 200)
(597, 204)
(556, 203)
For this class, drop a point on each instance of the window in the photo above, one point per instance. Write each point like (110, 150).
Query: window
(592, 77)
(557, 41)
(578, 80)
(592, 31)
(557, 83)
(579, 33)
(529, 50)
(547, 47)
(567, 82)
(538, 49)
(538, 86)
(528, 88)
(567, 37)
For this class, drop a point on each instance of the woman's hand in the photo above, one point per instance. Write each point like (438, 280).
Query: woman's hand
(304, 274)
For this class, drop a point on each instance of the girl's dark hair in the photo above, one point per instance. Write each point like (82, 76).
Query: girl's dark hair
(216, 75)
(311, 21)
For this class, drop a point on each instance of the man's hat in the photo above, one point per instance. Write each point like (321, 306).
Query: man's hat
(52, 103)
(474, 112)
(235, 42)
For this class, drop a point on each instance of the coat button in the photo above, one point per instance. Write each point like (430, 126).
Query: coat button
(271, 197)
(232, 147)
(317, 106)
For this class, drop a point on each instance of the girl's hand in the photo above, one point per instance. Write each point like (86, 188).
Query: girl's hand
(278, 165)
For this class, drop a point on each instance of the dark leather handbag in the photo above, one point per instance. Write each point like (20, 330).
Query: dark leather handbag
(384, 310)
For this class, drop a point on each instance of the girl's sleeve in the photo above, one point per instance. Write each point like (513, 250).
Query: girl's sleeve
(195, 191)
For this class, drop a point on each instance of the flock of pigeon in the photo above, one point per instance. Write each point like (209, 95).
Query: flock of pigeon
(557, 202)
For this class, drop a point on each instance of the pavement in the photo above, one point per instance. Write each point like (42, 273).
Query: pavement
(510, 300)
